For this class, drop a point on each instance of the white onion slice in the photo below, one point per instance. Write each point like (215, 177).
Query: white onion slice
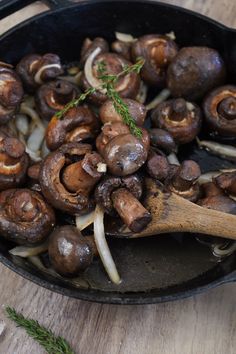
(29, 111)
(171, 35)
(207, 177)
(37, 77)
(222, 150)
(24, 251)
(142, 94)
(219, 252)
(22, 123)
(83, 221)
(102, 246)
(125, 37)
(34, 155)
(101, 167)
(162, 96)
(73, 79)
(173, 159)
(35, 139)
(88, 71)
(44, 149)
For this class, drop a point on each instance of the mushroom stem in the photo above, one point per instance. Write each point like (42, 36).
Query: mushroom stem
(102, 247)
(131, 211)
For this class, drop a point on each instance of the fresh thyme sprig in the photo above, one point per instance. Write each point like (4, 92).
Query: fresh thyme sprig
(108, 84)
(45, 337)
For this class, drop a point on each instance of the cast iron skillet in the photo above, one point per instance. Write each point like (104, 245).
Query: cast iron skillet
(154, 269)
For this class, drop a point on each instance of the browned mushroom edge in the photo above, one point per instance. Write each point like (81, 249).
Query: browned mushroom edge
(220, 110)
(53, 96)
(158, 166)
(25, 217)
(127, 85)
(122, 48)
(90, 45)
(67, 184)
(194, 71)
(77, 125)
(11, 93)
(227, 182)
(180, 118)
(215, 198)
(137, 111)
(122, 194)
(69, 251)
(158, 52)
(162, 139)
(35, 69)
(14, 162)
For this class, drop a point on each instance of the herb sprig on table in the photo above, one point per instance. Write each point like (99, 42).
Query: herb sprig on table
(108, 84)
(45, 337)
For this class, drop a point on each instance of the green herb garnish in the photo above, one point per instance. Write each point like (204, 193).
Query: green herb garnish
(108, 84)
(45, 337)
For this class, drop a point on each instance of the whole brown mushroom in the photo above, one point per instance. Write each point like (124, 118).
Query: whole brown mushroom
(69, 251)
(14, 162)
(180, 118)
(77, 125)
(227, 182)
(194, 71)
(137, 110)
(158, 166)
(25, 217)
(53, 96)
(35, 69)
(122, 194)
(162, 139)
(127, 85)
(68, 175)
(158, 52)
(220, 110)
(11, 92)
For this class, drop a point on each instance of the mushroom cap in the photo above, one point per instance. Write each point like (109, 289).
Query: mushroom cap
(162, 139)
(194, 71)
(137, 110)
(158, 52)
(14, 162)
(78, 124)
(109, 184)
(69, 252)
(157, 166)
(110, 131)
(52, 97)
(227, 182)
(90, 45)
(220, 110)
(127, 85)
(52, 185)
(25, 217)
(48, 65)
(180, 118)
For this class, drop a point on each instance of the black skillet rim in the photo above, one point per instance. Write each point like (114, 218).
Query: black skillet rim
(137, 298)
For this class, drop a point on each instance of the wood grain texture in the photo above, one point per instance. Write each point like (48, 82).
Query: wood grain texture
(204, 324)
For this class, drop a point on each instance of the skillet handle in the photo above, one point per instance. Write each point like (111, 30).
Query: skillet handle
(7, 7)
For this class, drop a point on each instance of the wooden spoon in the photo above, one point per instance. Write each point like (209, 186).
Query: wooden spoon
(171, 213)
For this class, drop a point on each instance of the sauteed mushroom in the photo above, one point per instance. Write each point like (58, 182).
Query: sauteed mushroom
(11, 92)
(13, 162)
(220, 110)
(77, 124)
(89, 46)
(184, 181)
(35, 69)
(53, 96)
(162, 139)
(127, 85)
(158, 52)
(137, 110)
(227, 182)
(158, 166)
(122, 48)
(69, 251)
(25, 217)
(194, 71)
(67, 176)
(122, 194)
(180, 118)
(215, 198)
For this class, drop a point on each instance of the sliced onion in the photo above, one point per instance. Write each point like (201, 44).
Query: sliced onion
(29, 111)
(24, 251)
(88, 71)
(162, 96)
(225, 151)
(125, 37)
(101, 167)
(142, 94)
(34, 155)
(207, 177)
(221, 250)
(35, 139)
(171, 35)
(37, 77)
(22, 123)
(44, 150)
(84, 221)
(173, 159)
(102, 246)
(73, 79)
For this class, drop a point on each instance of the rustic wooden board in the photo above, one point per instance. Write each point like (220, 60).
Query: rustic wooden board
(204, 324)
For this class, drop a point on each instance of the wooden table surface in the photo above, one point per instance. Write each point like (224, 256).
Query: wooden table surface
(204, 324)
